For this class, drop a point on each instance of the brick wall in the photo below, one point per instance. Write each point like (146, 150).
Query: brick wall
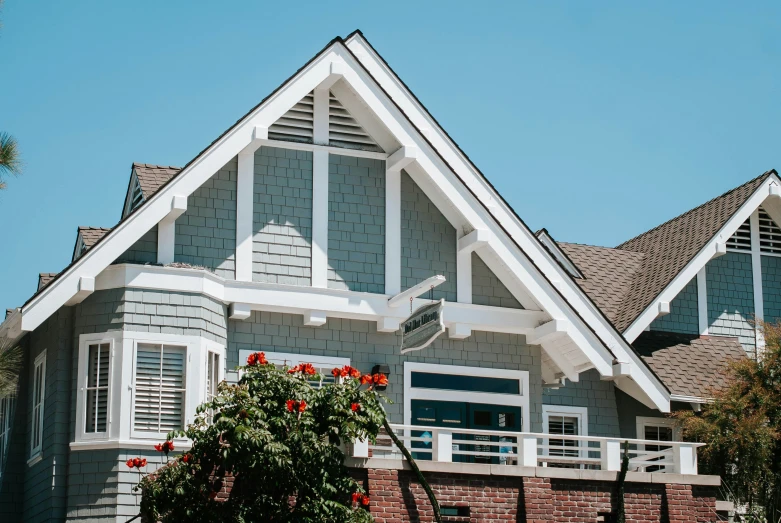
(487, 289)
(356, 224)
(684, 314)
(428, 241)
(206, 232)
(143, 251)
(771, 288)
(360, 341)
(282, 217)
(731, 298)
(397, 497)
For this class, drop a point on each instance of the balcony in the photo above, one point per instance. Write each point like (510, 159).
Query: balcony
(523, 449)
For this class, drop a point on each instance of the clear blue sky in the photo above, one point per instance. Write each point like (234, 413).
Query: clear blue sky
(595, 120)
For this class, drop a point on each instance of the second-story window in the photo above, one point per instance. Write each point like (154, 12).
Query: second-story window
(160, 382)
(96, 390)
(39, 394)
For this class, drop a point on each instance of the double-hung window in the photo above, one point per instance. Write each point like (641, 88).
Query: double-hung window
(565, 421)
(160, 387)
(39, 396)
(96, 388)
(6, 415)
(655, 429)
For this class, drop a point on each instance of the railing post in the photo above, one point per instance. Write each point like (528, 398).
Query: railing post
(527, 450)
(443, 446)
(684, 459)
(610, 454)
(361, 448)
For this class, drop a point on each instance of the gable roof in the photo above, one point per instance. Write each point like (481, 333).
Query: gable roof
(152, 177)
(44, 279)
(91, 235)
(669, 247)
(607, 274)
(667, 353)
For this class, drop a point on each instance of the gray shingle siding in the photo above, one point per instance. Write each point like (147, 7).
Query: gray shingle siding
(206, 232)
(360, 341)
(771, 288)
(487, 289)
(684, 315)
(356, 224)
(596, 395)
(730, 287)
(143, 251)
(428, 241)
(12, 493)
(282, 217)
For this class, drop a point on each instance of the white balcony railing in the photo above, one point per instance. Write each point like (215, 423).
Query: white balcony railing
(533, 450)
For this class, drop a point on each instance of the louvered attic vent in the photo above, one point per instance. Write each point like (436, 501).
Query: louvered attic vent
(345, 131)
(296, 125)
(769, 234)
(741, 240)
(135, 196)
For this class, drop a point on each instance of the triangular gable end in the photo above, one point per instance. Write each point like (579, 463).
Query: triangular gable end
(769, 235)
(576, 339)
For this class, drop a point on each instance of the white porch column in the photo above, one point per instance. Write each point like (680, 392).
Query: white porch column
(320, 191)
(392, 231)
(756, 272)
(702, 301)
(245, 189)
(166, 231)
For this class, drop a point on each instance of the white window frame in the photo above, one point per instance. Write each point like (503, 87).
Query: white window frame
(646, 421)
(36, 451)
(581, 413)
(120, 428)
(81, 388)
(219, 350)
(512, 400)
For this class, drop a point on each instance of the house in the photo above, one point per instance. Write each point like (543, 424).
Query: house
(311, 230)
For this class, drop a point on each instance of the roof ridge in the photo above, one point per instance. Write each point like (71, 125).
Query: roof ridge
(766, 173)
(155, 166)
(598, 247)
(92, 228)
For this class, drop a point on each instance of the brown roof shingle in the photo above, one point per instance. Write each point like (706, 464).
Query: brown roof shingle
(90, 235)
(671, 245)
(608, 274)
(44, 278)
(152, 177)
(689, 365)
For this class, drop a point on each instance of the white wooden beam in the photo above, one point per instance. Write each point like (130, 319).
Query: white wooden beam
(774, 191)
(702, 301)
(474, 240)
(756, 273)
(721, 249)
(402, 158)
(464, 277)
(245, 189)
(392, 232)
(386, 324)
(458, 331)
(315, 318)
(320, 219)
(561, 361)
(547, 331)
(417, 290)
(239, 311)
(664, 308)
(320, 115)
(337, 69)
(166, 231)
(86, 287)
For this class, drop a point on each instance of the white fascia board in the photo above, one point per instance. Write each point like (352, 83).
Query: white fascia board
(603, 332)
(547, 240)
(203, 167)
(293, 299)
(709, 251)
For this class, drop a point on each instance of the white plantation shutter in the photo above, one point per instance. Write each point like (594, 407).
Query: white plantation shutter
(97, 387)
(159, 388)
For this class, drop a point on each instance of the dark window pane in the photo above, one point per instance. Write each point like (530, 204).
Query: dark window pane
(428, 380)
(482, 418)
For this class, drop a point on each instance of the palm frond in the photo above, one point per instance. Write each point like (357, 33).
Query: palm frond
(10, 160)
(10, 367)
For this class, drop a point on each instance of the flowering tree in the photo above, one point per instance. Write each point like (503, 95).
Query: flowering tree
(276, 437)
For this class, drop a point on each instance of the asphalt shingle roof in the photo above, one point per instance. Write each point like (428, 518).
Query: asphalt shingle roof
(90, 235)
(152, 177)
(44, 278)
(689, 365)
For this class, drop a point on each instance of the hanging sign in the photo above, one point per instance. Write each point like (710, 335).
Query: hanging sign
(422, 327)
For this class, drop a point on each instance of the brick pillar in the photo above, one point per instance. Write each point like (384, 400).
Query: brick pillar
(537, 500)
(680, 504)
(387, 502)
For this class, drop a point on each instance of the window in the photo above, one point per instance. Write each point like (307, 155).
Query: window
(96, 390)
(656, 429)
(565, 421)
(38, 395)
(159, 388)
(213, 378)
(323, 364)
(6, 415)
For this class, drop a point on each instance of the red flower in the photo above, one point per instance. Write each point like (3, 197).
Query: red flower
(301, 406)
(252, 359)
(169, 445)
(366, 378)
(262, 358)
(308, 368)
(293, 370)
(355, 407)
(343, 372)
(166, 446)
(336, 372)
(356, 497)
(129, 464)
(143, 462)
(364, 500)
(380, 379)
(354, 373)
(185, 457)
(136, 462)
(159, 447)
(290, 405)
